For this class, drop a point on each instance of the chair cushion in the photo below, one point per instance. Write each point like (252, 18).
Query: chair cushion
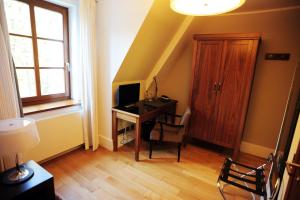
(170, 134)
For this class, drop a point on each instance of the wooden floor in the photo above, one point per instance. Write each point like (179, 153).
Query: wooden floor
(109, 175)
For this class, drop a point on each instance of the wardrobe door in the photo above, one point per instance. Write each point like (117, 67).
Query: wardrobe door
(206, 63)
(236, 74)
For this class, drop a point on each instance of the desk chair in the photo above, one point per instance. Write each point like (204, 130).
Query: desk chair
(170, 132)
(253, 181)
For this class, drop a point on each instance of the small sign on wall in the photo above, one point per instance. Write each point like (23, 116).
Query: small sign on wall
(277, 56)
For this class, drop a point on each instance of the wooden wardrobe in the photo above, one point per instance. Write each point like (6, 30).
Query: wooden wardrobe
(223, 70)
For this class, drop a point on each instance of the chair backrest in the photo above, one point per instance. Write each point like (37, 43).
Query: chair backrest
(186, 117)
(184, 121)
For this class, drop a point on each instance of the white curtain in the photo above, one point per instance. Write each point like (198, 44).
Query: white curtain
(9, 101)
(87, 26)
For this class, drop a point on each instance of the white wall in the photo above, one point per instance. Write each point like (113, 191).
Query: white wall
(118, 23)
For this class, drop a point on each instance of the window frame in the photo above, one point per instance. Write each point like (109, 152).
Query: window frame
(39, 98)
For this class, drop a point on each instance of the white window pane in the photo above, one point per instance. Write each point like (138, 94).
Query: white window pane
(18, 17)
(51, 53)
(22, 51)
(26, 82)
(49, 24)
(52, 81)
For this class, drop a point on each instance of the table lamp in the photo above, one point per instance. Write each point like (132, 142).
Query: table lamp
(17, 136)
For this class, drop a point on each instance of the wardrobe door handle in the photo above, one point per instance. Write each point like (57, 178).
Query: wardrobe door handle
(215, 87)
(291, 167)
(219, 86)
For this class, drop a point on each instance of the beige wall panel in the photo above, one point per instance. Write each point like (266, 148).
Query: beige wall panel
(280, 34)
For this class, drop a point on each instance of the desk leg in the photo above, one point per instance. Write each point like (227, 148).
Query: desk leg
(137, 138)
(115, 130)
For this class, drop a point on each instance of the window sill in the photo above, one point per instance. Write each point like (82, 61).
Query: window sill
(49, 106)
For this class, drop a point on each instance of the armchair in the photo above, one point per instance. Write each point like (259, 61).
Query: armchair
(170, 132)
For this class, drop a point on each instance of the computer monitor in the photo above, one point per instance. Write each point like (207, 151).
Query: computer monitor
(128, 94)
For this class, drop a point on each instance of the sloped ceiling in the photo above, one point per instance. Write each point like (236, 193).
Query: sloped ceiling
(159, 28)
(254, 5)
(153, 37)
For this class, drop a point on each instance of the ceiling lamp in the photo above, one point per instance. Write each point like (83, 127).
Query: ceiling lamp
(205, 7)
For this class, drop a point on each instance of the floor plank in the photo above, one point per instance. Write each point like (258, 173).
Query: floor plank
(115, 175)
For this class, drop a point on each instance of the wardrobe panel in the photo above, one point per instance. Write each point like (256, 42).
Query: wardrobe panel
(234, 83)
(204, 93)
(223, 70)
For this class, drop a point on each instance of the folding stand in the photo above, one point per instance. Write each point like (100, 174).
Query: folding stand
(252, 181)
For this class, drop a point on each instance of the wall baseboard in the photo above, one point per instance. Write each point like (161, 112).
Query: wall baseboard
(61, 154)
(246, 147)
(105, 142)
(255, 149)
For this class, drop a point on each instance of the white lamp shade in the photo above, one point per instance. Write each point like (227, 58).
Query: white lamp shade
(205, 7)
(17, 135)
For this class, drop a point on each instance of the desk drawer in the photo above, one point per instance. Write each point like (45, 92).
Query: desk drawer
(126, 117)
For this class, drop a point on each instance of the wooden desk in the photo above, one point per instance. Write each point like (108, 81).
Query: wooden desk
(143, 111)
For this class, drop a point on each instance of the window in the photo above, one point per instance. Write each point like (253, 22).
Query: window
(38, 33)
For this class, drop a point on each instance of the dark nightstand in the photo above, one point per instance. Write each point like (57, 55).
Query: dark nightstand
(39, 187)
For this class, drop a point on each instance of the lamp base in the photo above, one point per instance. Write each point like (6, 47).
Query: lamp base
(15, 176)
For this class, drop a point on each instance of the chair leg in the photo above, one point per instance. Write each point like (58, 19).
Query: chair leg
(184, 142)
(179, 149)
(150, 149)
